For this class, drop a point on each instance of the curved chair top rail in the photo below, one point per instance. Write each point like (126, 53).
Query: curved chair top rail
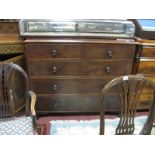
(127, 78)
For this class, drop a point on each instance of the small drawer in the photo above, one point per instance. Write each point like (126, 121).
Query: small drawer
(89, 68)
(110, 51)
(47, 50)
(148, 51)
(146, 67)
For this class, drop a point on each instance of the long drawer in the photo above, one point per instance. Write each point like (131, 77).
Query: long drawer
(76, 86)
(80, 68)
(82, 103)
(68, 86)
(73, 103)
(106, 51)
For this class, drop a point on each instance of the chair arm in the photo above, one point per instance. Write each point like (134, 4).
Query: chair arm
(33, 101)
(33, 113)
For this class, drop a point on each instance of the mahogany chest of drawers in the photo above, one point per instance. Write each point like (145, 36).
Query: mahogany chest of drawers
(68, 75)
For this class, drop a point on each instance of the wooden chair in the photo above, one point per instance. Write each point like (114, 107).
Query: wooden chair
(130, 90)
(16, 118)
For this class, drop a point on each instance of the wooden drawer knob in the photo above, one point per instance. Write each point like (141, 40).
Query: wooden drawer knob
(108, 69)
(54, 69)
(109, 54)
(55, 104)
(54, 52)
(55, 87)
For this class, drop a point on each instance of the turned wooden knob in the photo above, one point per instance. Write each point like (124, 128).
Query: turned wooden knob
(108, 70)
(55, 104)
(109, 54)
(54, 52)
(54, 69)
(55, 87)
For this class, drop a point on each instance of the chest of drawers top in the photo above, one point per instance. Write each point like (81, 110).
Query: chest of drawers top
(82, 41)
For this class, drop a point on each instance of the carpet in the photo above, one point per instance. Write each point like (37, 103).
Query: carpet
(45, 121)
(89, 127)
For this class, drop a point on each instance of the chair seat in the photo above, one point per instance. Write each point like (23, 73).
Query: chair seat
(16, 126)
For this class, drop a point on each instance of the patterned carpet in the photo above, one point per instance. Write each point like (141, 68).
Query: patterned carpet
(89, 127)
(51, 124)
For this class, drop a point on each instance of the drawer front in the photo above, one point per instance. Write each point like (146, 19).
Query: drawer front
(75, 103)
(106, 51)
(148, 51)
(84, 103)
(67, 103)
(54, 50)
(48, 68)
(76, 86)
(11, 48)
(146, 67)
(69, 86)
(110, 51)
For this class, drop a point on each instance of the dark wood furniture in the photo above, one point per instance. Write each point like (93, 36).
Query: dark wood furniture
(10, 95)
(11, 45)
(145, 35)
(146, 63)
(68, 74)
(129, 90)
(70, 61)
